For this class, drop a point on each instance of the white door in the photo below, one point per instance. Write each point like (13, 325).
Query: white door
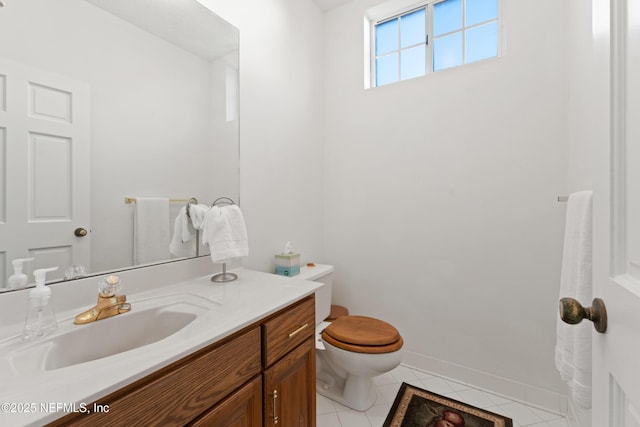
(44, 169)
(616, 353)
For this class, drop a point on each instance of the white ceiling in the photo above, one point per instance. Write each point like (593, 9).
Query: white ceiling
(188, 24)
(330, 4)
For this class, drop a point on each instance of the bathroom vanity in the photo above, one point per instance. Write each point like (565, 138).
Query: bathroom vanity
(222, 384)
(248, 359)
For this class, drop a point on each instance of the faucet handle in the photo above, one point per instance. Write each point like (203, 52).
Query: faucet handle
(109, 286)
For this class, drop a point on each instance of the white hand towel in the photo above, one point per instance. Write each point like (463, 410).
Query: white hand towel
(225, 233)
(187, 231)
(573, 342)
(151, 230)
(182, 244)
(197, 214)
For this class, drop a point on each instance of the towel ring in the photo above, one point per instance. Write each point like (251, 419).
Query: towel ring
(224, 276)
(223, 201)
(191, 201)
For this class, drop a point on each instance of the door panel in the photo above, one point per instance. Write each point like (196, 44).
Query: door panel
(44, 169)
(50, 178)
(50, 103)
(616, 377)
(623, 412)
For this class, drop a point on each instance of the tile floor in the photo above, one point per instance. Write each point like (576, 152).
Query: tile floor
(333, 414)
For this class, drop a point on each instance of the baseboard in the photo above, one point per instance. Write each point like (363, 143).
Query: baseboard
(578, 417)
(530, 395)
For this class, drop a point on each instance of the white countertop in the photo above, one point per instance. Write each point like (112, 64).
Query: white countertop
(49, 395)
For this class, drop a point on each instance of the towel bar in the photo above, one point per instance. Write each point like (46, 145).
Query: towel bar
(130, 200)
(191, 200)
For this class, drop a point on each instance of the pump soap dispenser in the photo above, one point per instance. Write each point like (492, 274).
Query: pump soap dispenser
(41, 319)
(18, 280)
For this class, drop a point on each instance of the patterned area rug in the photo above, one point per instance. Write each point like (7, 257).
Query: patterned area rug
(415, 407)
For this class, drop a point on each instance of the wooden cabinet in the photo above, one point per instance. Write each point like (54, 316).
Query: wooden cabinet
(257, 376)
(290, 367)
(285, 331)
(289, 387)
(242, 408)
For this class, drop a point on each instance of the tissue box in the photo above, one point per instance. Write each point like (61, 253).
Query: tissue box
(288, 264)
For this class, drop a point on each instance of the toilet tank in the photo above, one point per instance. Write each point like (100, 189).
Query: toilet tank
(320, 273)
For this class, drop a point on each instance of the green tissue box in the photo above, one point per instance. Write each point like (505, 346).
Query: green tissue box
(288, 264)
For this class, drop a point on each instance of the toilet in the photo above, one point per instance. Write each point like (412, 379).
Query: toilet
(350, 350)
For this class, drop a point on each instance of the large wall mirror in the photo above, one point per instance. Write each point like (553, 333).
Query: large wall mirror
(104, 103)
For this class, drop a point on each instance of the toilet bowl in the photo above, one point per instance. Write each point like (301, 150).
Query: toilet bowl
(351, 350)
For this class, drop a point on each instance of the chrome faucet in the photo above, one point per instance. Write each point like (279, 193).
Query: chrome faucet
(109, 303)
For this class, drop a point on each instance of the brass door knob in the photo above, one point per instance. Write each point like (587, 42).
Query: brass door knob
(80, 232)
(572, 312)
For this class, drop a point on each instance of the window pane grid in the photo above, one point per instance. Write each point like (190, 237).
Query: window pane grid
(406, 33)
(455, 44)
(456, 49)
(480, 24)
(412, 46)
(382, 21)
(448, 16)
(465, 28)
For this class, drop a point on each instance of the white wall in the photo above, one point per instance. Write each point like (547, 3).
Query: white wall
(581, 129)
(440, 193)
(281, 154)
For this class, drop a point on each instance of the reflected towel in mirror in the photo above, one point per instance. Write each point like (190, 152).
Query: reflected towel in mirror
(151, 230)
(197, 214)
(182, 243)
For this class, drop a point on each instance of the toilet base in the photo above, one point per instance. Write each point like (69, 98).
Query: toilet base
(354, 392)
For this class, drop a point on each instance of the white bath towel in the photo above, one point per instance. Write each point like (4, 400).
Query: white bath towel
(573, 342)
(183, 243)
(151, 230)
(225, 233)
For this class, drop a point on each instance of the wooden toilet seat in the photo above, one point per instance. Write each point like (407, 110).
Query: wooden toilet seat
(361, 334)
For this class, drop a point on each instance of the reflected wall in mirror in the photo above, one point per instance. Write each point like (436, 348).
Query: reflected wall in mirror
(103, 100)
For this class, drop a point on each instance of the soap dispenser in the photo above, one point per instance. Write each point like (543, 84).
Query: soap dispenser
(41, 319)
(18, 280)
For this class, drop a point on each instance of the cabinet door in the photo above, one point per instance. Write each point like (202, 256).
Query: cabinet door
(289, 392)
(177, 394)
(241, 409)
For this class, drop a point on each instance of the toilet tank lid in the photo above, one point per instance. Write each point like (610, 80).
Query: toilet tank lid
(315, 272)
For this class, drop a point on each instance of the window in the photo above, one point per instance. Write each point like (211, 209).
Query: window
(433, 37)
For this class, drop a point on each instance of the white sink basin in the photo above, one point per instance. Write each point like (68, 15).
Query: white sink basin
(149, 321)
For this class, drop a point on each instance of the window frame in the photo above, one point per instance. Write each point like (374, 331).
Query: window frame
(428, 6)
